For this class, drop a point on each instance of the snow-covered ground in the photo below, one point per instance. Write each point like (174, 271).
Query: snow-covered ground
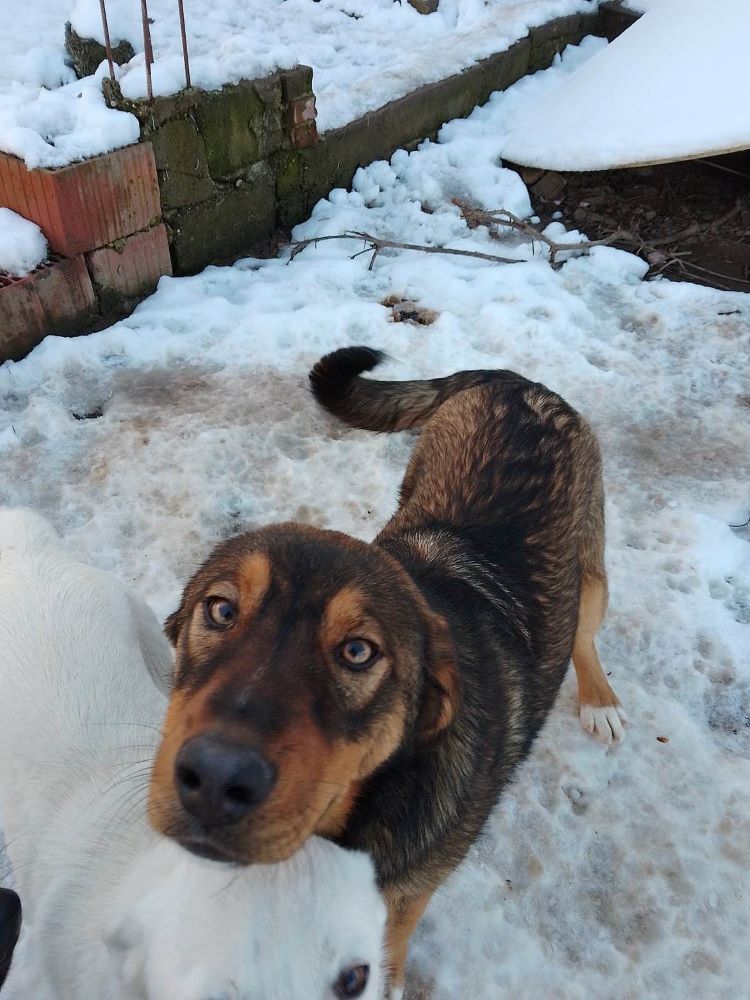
(364, 53)
(673, 86)
(604, 873)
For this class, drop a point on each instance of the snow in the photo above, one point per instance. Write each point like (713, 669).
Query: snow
(47, 117)
(673, 86)
(22, 244)
(364, 53)
(640, 6)
(603, 871)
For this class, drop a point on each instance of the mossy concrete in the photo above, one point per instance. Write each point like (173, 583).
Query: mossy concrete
(233, 223)
(181, 163)
(240, 126)
(400, 124)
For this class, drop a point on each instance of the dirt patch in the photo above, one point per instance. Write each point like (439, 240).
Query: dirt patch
(406, 311)
(689, 220)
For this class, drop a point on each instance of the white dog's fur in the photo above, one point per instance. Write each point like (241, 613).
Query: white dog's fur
(112, 912)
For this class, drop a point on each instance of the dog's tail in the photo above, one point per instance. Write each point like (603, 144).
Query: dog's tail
(385, 406)
(10, 928)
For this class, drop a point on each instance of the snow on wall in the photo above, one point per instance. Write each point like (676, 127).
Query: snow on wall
(364, 54)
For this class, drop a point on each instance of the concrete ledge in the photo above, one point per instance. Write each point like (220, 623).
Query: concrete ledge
(614, 19)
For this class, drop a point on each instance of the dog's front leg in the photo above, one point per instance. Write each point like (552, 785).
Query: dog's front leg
(404, 913)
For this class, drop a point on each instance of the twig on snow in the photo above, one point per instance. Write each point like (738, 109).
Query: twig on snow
(502, 217)
(376, 244)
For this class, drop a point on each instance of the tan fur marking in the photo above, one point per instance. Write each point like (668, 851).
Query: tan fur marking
(593, 686)
(254, 581)
(162, 806)
(442, 694)
(404, 913)
(345, 615)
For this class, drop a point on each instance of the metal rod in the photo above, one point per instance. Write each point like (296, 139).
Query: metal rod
(107, 43)
(148, 51)
(185, 56)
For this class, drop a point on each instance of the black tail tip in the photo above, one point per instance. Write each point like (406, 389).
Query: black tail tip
(332, 376)
(10, 928)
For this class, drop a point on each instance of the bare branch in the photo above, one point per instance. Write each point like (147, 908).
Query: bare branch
(502, 217)
(376, 244)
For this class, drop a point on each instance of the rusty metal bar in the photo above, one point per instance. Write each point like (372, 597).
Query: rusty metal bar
(185, 56)
(107, 43)
(148, 51)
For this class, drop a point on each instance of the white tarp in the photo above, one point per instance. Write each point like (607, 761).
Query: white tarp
(675, 85)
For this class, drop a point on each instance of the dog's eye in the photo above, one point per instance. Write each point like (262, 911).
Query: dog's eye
(352, 982)
(357, 654)
(220, 611)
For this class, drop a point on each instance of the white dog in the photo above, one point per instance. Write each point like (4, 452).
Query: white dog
(111, 911)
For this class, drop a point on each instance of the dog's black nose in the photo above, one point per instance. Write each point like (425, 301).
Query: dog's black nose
(218, 781)
(10, 928)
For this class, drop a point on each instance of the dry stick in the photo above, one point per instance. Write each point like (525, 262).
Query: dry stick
(377, 244)
(502, 217)
(692, 230)
(107, 42)
(688, 265)
(183, 33)
(735, 210)
(726, 170)
(148, 51)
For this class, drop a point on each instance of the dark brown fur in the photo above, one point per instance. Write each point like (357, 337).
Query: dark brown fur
(472, 590)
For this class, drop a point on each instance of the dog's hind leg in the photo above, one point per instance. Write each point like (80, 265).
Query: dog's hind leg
(403, 916)
(600, 711)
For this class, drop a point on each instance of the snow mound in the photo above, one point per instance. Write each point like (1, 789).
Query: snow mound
(22, 244)
(674, 85)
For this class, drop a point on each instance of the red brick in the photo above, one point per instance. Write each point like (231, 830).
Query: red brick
(303, 110)
(304, 135)
(57, 298)
(87, 204)
(131, 270)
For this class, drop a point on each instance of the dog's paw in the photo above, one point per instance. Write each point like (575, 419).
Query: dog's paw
(606, 723)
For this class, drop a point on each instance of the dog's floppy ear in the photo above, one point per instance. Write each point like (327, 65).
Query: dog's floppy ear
(157, 654)
(173, 624)
(441, 693)
(10, 928)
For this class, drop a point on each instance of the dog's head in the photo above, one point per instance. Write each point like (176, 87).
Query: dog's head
(305, 659)
(10, 928)
(311, 928)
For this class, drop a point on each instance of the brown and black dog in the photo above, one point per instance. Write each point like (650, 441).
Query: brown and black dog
(383, 693)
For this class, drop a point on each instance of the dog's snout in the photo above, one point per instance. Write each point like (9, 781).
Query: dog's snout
(218, 781)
